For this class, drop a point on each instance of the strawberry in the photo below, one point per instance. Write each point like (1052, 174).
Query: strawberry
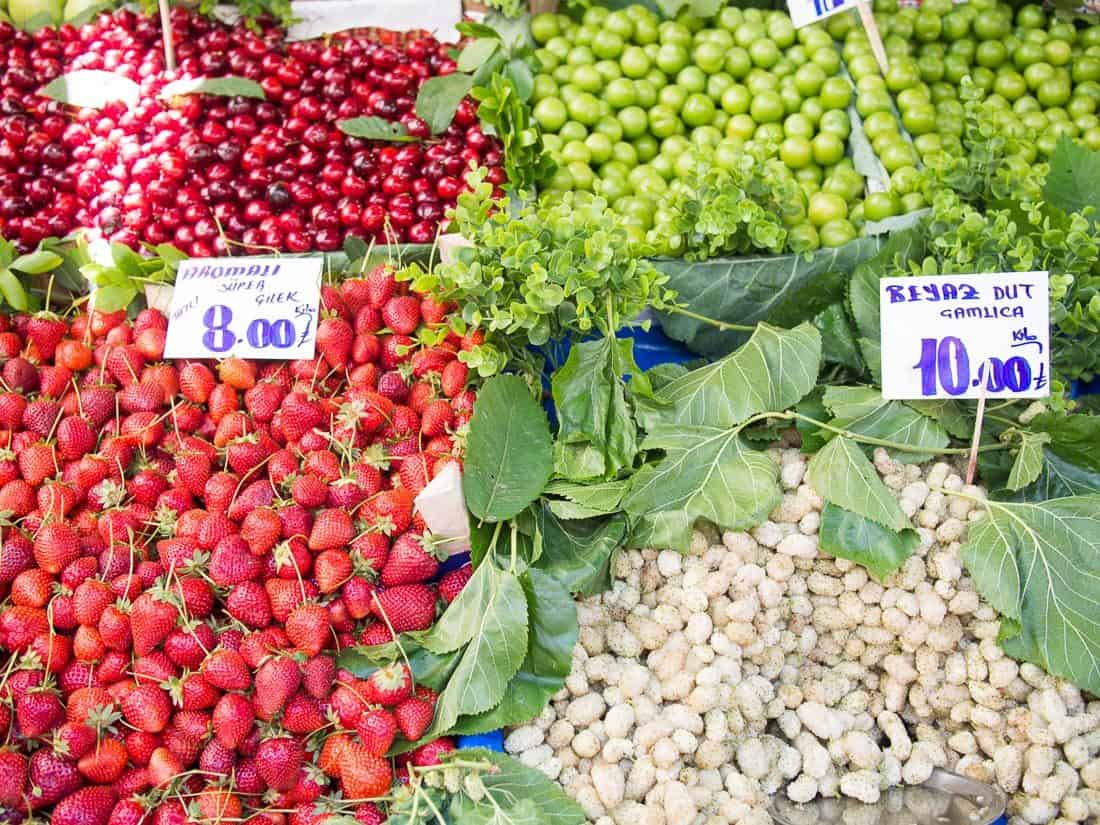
(318, 675)
(389, 685)
(406, 607)
(393, 386)
(331, 569)
(276, 681)
(334, 340)
(88, 806)
(232, 720)
(45, 330)
(414, 716)
(152, 618)
(75, 438)
(408, 562)
(105, 763)
(402, 314)
(14, 769)
(369, 814)
(362, 774)
(415, 473)
(436, 418)
(377, 729)
(331, 529)
(147, 708)
(427, 755)
(166, 763)
(248, 603)
(303, 714)
(380, 285)
(433, 312)
(54, 776)
(55, 547)
(278, 761)
(226, 669)
(237, 373)
(37, 712)
(392, 508)
(308, 628)
(196, 382)
(452, 582)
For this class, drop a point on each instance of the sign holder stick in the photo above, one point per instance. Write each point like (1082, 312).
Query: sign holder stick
(166, 33)
(979, 417)
(867, 18)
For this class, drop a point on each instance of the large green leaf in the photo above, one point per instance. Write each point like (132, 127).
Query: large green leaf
(847, 535)
(592, 408)
(37, 263)
(372, 127)
(15, 295)
(863, 410)
(1072, 437)
(863, 290)
(552, 617)
(1039, 565)
(580, 501)
(1073, 182)
(578, 552)
(668, 529)
(428, 669)
(770, 373)
(492, 657)
(839, 345)
(707, 472)
(842, 474)
(746, 290)
(438, 99)
(1058, 478)
(509, 454)
(217, 86)
(1029, 461)
(463, 617)
(513, 780)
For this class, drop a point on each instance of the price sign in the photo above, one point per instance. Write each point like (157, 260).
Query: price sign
(245, 307)
(944, 335)
(805, 12)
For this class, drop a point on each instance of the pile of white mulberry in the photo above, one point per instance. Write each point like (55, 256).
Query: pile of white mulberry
(703, 684)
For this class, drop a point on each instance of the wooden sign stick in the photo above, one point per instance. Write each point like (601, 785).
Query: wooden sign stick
(867, 18)
(166, 33)
(979, 416)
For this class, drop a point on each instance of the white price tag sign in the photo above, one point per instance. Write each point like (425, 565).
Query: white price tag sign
(805, 12)
(943, 335)
(245, 307)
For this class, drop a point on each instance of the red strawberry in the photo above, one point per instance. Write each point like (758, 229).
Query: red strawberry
(362, 774)
(53, 775)
(75, 438)
(331, 569)
(237, 373)
(226, 669)
(332, 529)
(453, 581)
(249, 604)
(389, 685)
(415, 472)
(334, 340)
(147, 708)
(45, 330)
(376, 729)
(402, 314)
(380, 285)
(88, 806)
(369, 814)
(279, 760)
(427, 755)
(152, 618)
(276, 681)
(38, 712)
(392, 508)
(308, 628)
(436, 418)
(55, 546)
(414, 716)
(196, 382)
(105, 763)
(14, 769)
(406, 607)
(318, 676)
(303, 714)
(408, 562)
(453, 378)
(232, 720)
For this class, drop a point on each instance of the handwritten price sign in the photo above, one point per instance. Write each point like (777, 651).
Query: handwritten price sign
(805, 12)
(944, 335)
(246, 307)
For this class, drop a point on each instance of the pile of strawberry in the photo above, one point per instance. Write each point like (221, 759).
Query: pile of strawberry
(187, 545)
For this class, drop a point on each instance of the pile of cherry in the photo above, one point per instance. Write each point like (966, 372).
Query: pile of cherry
(187, 545)
(204, 172)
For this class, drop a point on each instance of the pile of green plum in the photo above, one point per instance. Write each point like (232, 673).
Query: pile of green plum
(1042, 71)
(629, 104)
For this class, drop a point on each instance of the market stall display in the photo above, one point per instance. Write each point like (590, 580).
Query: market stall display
(611, 508)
